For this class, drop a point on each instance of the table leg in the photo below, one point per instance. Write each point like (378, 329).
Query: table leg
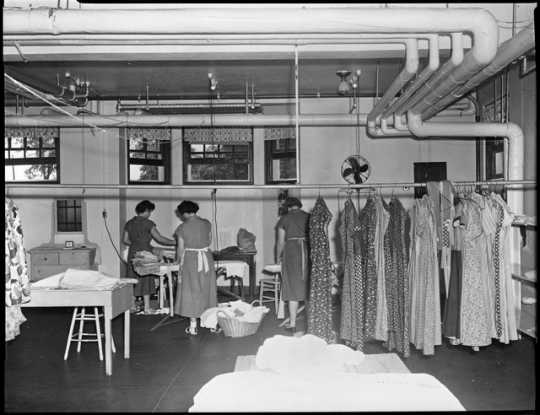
(127, 317)
(161, 292)
(171, 298)
(108, 334)
(251, 279)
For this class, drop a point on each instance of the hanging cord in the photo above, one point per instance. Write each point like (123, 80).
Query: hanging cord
(111, 239)
(213, 197)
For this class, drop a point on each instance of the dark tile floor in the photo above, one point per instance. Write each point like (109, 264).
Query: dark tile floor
(167, 368)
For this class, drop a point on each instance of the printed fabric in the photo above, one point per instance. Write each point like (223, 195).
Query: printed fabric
(381, 321)
(397, 283)
(425, 319)
(352, 292)
(16, 271)
(476, 318)
(320, 295)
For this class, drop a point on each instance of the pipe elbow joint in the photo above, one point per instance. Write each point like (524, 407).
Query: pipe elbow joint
(414, 123)
(486, 37)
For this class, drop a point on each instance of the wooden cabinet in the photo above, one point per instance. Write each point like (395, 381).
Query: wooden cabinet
(47, 260)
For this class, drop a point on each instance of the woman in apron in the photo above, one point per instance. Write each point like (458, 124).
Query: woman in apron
(197, 290)
(293, 255)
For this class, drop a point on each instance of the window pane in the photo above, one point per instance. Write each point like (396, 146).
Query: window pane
(284, 169)
(31, 172)
(145, 173)
(197, 155)
(199, 148)
(19, 154)
(6, 154)
(137, 155)
(218, 172)
(6, 142)
(48, 141)
(33, 142)
(153, 156)
(17, 142)
(32, 153)
(136, 144)
(48, 153)
(152, 145)
(211, 147)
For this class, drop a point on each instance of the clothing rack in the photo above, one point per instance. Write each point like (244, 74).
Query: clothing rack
(261, 186)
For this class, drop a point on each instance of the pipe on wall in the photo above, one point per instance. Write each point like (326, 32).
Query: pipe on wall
(201, 120)
(409, 70)
(508, 51)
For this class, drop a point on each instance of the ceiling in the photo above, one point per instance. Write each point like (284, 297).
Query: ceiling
(189, 79)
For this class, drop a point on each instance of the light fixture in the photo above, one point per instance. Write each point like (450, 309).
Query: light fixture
(344, 86)
(78, 89)
(213, 82)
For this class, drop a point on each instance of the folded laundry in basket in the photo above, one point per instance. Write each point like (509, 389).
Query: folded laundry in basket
(239, 310)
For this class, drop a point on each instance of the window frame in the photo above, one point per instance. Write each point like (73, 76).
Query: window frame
(187, 160)
(82, 211)
(33, 160)
(270, 154)
(165, 161)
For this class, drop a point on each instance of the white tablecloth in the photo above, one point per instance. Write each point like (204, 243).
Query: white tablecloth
(238, 268)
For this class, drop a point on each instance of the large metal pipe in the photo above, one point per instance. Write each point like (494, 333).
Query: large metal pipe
(508, 51)
(259, 20)
(219, 120)
(432, 66)
(408, 71)
(456, 58)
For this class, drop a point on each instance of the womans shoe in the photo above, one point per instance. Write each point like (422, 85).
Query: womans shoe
(192, 331)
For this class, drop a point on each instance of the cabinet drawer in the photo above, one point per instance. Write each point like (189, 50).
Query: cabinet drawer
(74, 258)
(38, 272)
(50, 258)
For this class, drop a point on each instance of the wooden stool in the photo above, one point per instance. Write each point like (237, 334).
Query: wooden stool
(271, 284)
(81, 317)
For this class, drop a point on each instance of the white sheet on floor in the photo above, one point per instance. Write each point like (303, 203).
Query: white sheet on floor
(265, 391)
(80, 279)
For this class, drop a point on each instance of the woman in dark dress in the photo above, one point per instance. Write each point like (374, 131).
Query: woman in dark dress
(197, 290)
(138, 233)
(292, 253)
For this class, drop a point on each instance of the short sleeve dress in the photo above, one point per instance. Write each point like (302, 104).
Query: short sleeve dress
(139, 232)
(197, 291)
(294, 264)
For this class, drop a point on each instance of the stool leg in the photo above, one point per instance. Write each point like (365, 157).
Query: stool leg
(276, 296)
(171, 298)
(241, 287)
(161, 292)
(81, 327)
(98, 332)
(71, 326)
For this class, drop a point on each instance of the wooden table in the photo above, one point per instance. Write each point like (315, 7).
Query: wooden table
(246, 256)
(114, 302)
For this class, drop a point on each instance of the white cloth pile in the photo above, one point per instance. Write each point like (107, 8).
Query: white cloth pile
(239, 310)
(74, 279)
(305, 355)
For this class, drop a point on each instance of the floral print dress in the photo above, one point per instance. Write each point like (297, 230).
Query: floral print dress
(320, 321)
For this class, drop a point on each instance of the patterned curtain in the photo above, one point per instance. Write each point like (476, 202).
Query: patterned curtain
(162, 134)
(29, 132)
(16, 270)
(218, 135)
(279, 133)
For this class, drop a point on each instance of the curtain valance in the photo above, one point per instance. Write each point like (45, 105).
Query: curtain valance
(279, 133)
(163, 134)
(33, 132)
(218, 135)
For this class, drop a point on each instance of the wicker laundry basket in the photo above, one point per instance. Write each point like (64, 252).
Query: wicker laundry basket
(235, 328)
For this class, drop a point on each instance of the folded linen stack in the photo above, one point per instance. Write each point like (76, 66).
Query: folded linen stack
(145, 263)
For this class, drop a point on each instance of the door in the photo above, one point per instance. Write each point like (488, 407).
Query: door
(428, 172)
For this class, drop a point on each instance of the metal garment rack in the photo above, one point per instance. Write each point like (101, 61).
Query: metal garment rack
(260, 186)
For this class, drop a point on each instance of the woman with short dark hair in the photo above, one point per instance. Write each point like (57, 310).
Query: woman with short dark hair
(292, 253)
(138, 233)
(197, 290)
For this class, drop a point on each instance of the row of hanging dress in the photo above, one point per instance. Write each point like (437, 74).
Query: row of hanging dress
(375, 292)
(16, 271)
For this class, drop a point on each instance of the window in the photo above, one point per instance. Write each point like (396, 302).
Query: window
(428, 172)
(218, 155)
(68, 215)
(280, 155)
(32, 155)
(149, 155)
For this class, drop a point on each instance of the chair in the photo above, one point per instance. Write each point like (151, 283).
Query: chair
(270, 284)
(81, 315)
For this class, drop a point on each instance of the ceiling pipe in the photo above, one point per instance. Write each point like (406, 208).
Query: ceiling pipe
(474, 61)
(432, 66)
(409, 70)
(260, 20)
(456, 58)
(202, 120)
(508, 51)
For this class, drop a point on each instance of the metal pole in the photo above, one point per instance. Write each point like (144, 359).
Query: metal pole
(297, 113)
(255, 186)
